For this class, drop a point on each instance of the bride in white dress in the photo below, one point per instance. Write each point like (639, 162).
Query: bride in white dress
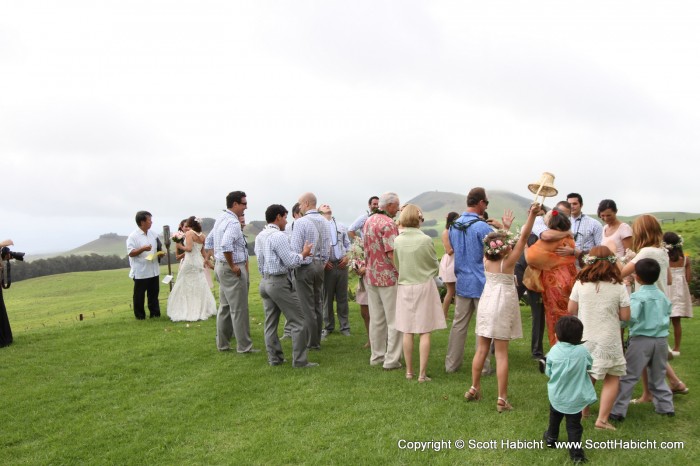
(191, 299)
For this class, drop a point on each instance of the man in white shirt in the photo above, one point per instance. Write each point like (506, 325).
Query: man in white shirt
(359, 222)
(142, 245)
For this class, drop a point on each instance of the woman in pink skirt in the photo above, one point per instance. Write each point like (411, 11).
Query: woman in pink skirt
(418, 307)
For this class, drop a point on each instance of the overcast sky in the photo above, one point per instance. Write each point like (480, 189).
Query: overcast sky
(110, 107)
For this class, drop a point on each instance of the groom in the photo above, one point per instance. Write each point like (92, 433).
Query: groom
(231, 254)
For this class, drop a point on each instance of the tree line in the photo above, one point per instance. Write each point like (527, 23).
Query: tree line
(65, 264)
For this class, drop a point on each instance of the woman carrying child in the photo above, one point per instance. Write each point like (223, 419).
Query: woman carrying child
(678, 291)
(558, 272)
(600, 300)
(498, 312)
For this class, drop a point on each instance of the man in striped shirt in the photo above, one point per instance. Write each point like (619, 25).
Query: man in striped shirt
(275, 261)
(231, 254)
(311, 228)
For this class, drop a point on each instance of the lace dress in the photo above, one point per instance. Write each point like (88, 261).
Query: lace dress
(191, 298)
(599, 305)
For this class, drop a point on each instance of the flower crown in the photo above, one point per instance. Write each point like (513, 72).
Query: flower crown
(495, 247)
(590, 260)
(669, 246)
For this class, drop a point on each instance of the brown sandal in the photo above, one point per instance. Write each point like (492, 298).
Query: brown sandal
(472, 394)
(605, 425)
(503, 405)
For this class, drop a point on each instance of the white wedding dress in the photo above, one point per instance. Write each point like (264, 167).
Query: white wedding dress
(191, 299)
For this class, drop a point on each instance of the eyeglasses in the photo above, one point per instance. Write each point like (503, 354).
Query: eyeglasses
(242, 203)
(486, 202)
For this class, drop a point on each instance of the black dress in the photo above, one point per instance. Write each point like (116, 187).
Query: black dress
(5, 330)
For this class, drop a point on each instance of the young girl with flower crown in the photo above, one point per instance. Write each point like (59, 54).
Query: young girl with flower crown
(498, 312)
(600, 300)
(678, 291)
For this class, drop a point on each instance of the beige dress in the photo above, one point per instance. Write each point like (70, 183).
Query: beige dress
(679, 294)
(498, 313)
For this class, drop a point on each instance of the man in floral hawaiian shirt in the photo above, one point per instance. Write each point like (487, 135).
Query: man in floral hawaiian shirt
(378, 234)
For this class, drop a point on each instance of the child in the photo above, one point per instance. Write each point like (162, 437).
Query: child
(498, 312)
(601, 301)
(648, 347)
(678, 292)
(569, 387)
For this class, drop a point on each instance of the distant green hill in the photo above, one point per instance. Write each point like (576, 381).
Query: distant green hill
(436, 205)
(106, 245)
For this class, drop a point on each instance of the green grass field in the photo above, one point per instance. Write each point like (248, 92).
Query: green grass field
(113, 390)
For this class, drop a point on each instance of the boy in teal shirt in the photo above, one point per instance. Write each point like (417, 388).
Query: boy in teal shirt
(569, 387)
(648, 347)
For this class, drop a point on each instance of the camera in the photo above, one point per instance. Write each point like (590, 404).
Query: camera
(6, 254)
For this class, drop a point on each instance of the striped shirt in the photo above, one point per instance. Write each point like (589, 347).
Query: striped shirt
(226, 236)
(587, 231)
(312, 227)
(274, 252)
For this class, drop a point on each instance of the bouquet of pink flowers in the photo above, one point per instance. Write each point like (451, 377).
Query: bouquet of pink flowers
(178, 237)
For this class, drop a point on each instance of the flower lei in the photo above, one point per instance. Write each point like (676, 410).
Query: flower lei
(378, 211)
(495, 247)
(590, 260)
(669, 247)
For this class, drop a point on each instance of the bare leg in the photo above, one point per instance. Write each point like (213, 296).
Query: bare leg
(364, 312)
(646, 394)
(611, 386)
(482, 352)
(424, 351)
(448, 299)
(676, 321)
(502, 367)
(408, 354)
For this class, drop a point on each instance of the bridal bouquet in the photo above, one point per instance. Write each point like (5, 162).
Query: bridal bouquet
(178, 237)
(356, 254)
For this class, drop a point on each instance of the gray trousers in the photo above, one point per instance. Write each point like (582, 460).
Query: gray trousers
(309, 285)
(464, 310)
(645, 353)
(278, 298)
(335, 288)
(232, 319)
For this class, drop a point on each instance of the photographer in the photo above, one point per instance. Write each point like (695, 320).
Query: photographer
(5, 330)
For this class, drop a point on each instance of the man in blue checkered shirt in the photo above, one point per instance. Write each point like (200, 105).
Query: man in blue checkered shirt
(231, 254)
(275, 262)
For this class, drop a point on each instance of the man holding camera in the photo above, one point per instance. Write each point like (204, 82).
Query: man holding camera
(5, 330)
(142, 247)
